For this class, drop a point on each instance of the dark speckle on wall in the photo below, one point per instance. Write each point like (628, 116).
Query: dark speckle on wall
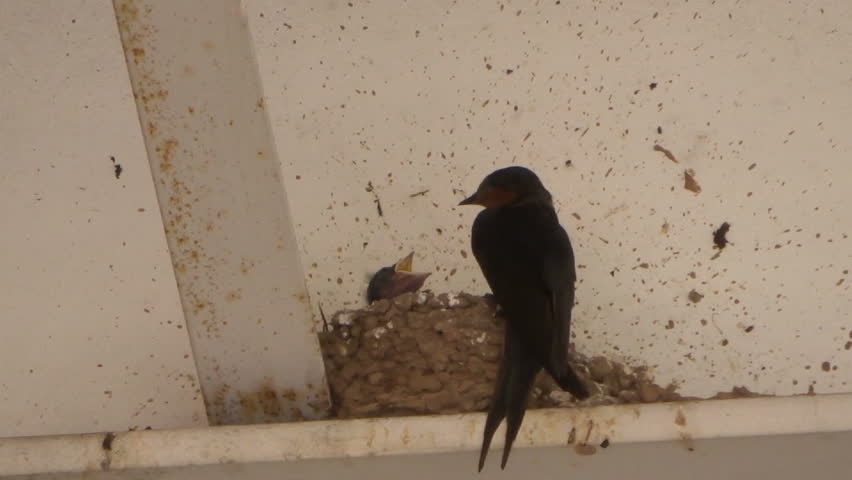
(720, 239)
(117, 168)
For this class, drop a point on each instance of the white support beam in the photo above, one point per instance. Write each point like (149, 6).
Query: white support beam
(227, 221)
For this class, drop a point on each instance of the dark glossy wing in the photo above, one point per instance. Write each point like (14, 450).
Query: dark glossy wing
(559, 278)
(527, 260)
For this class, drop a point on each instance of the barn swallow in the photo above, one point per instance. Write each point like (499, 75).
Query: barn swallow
(389, 282)
(527, 260)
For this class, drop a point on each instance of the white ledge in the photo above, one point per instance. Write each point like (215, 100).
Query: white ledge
(691, 420)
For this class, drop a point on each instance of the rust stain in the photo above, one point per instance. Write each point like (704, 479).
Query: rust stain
(585, 449)
(269, 402)
(136, 36)
(246, 265)
(166, 152)
(248, 404)
(128, 10)
(265, 400)
(217, 403)
(289, 394)
(152, 96)
(234, 295)
(199, 306)
(301, 297)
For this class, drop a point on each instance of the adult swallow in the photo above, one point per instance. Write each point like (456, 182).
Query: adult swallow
(527, 260)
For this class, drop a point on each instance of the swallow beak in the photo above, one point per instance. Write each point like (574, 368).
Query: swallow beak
(489, 197)
(405, 264)
(471, 200)
(404, 279)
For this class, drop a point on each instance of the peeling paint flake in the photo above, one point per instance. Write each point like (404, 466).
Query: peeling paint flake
(689, 181)
(665, 151)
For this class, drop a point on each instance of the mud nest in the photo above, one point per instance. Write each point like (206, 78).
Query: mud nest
(435, 354)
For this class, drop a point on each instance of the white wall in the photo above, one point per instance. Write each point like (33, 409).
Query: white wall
(93, 333)
(754, 97)
(738, 84)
